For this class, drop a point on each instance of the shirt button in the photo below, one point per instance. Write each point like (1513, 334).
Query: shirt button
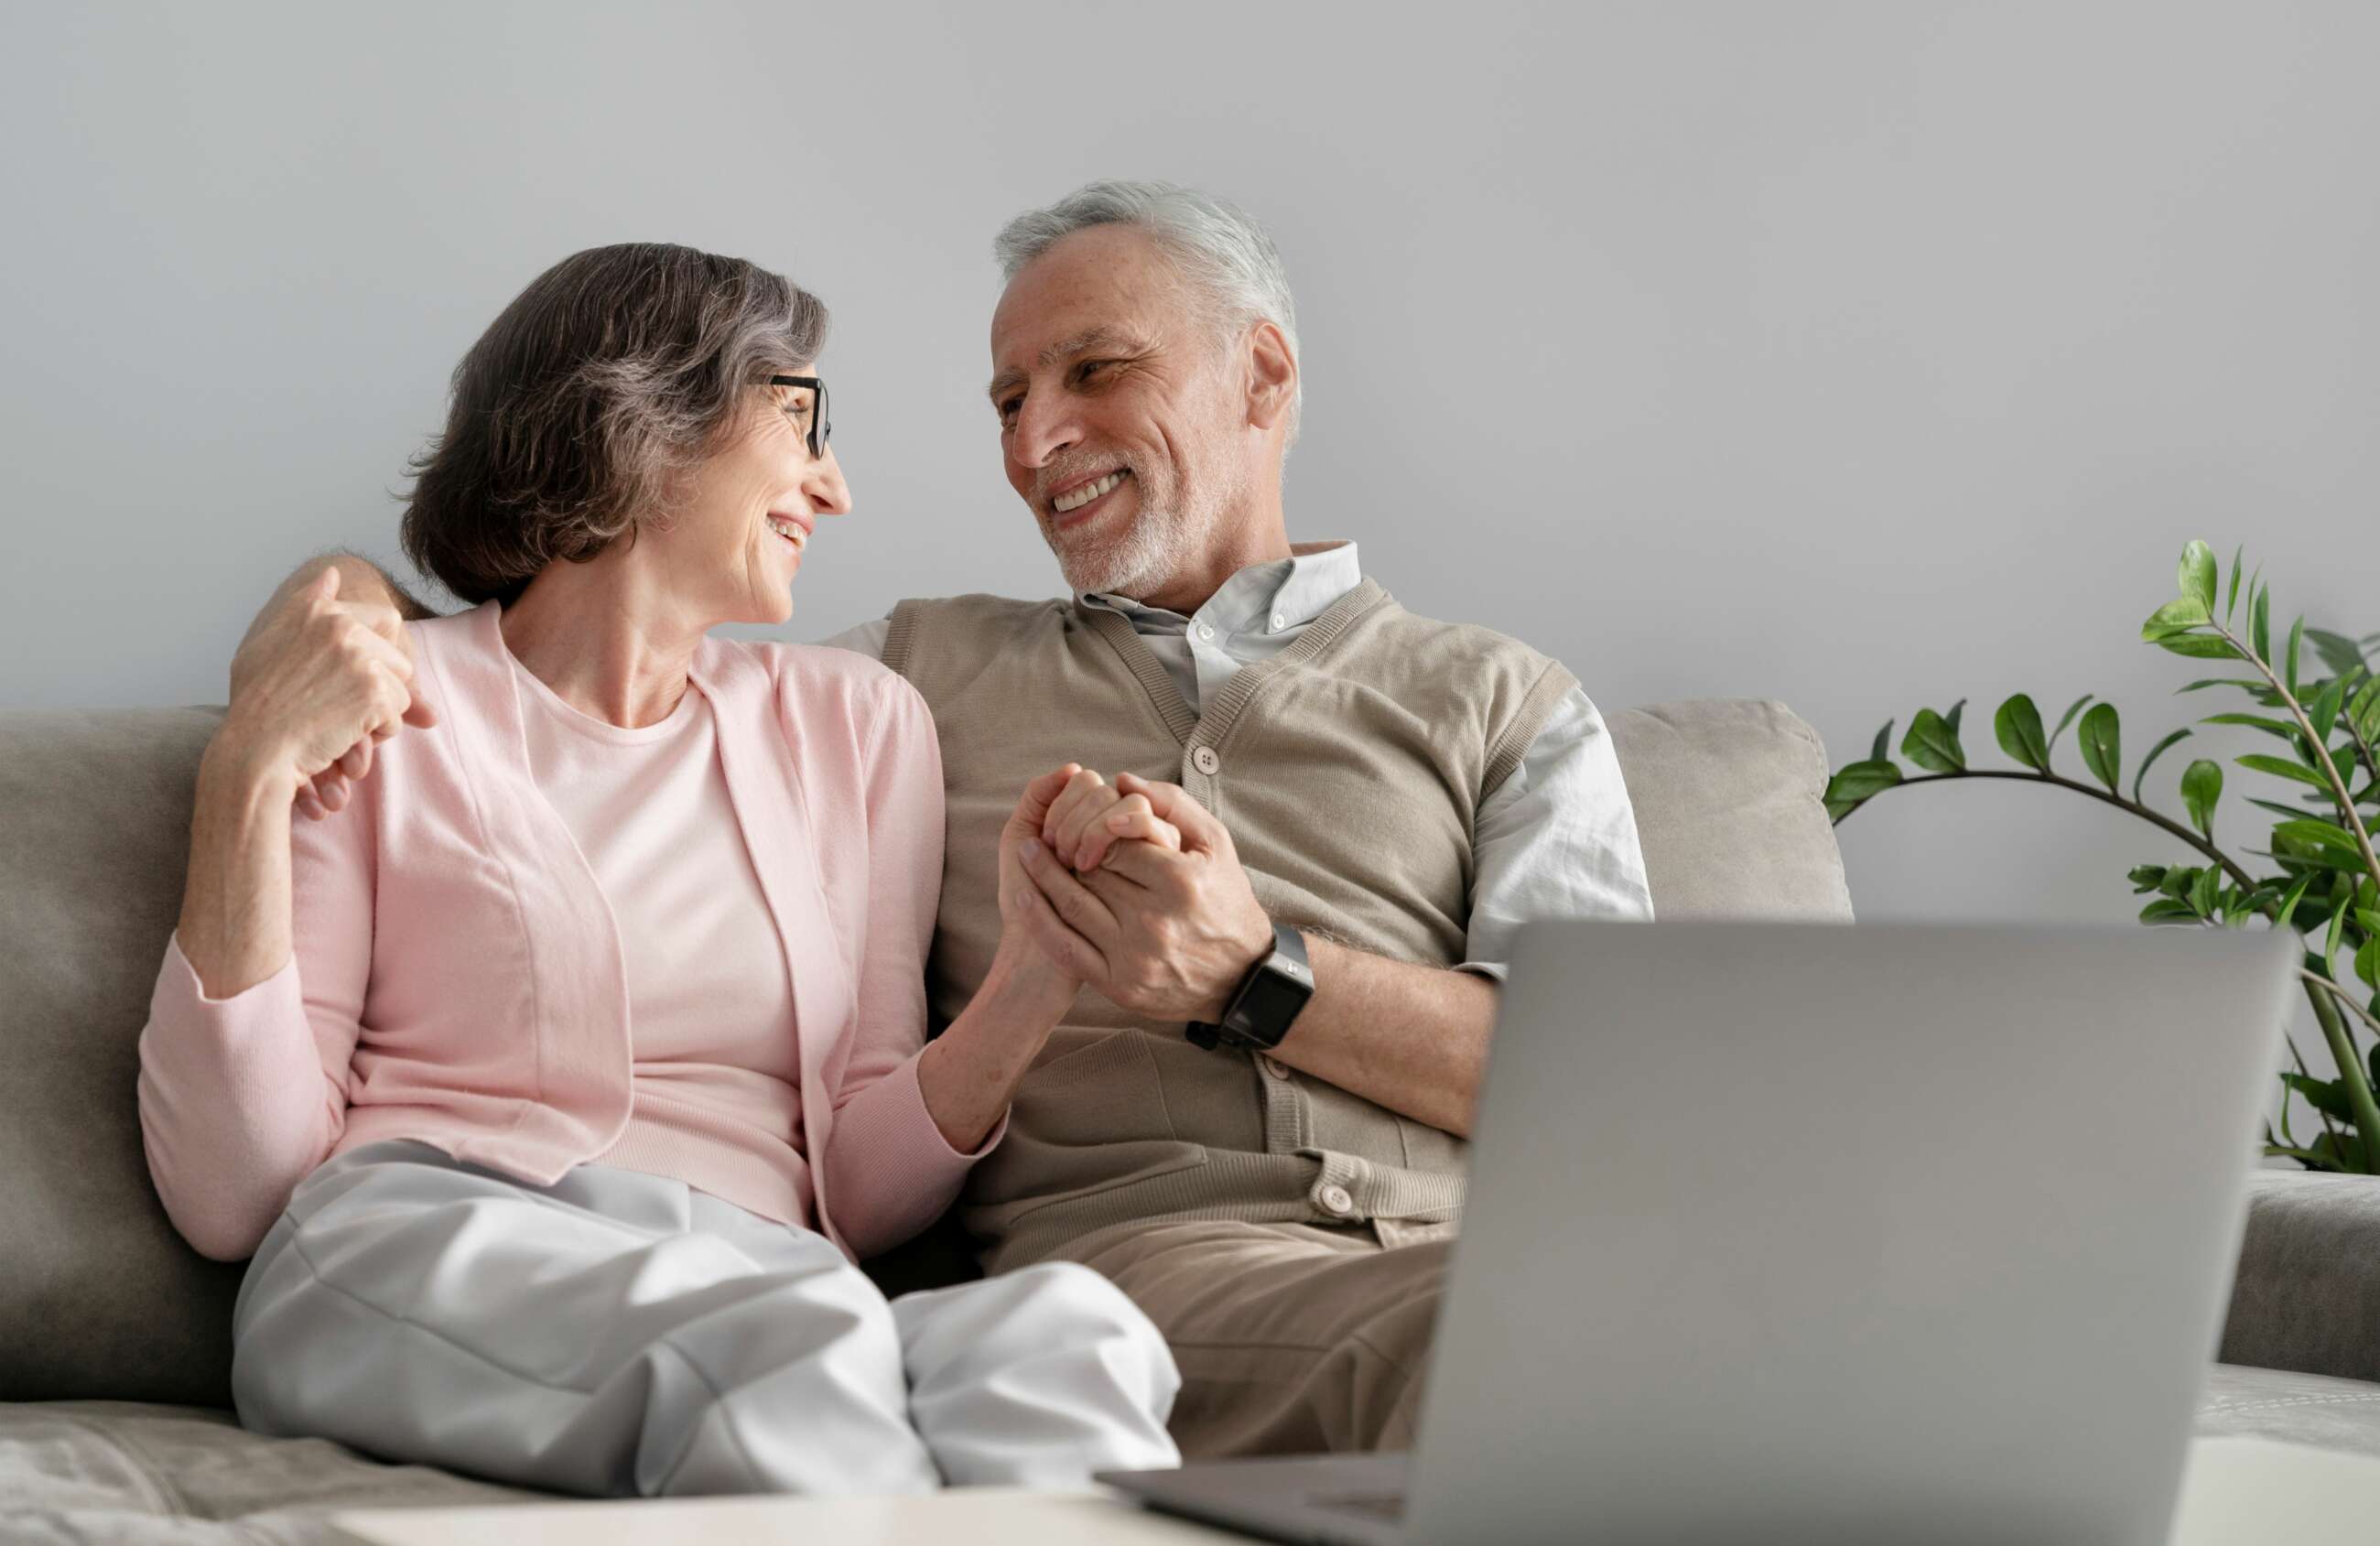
(1206, 630)
(1206, 761)
(1279, 621)
(1272, 1065)
(1337, 1200)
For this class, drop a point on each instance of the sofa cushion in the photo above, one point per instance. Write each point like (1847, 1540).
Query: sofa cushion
(2307, 1294)
(2317, 1409)
(100, 1296)
(122, 1471)
(1730, 807)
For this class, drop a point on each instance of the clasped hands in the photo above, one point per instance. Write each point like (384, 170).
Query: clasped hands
(1133, 889)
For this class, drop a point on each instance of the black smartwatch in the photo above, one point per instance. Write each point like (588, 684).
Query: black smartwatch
(1268, 1000)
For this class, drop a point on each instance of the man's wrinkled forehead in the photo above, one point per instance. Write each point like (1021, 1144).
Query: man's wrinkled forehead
(1108, 280)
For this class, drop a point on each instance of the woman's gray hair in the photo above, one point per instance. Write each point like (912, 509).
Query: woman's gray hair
(576, 413)
(1217, 246)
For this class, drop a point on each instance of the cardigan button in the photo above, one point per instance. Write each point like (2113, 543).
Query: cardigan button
(1206, 761)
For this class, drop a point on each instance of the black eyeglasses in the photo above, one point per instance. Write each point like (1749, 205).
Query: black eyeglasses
(820, 427)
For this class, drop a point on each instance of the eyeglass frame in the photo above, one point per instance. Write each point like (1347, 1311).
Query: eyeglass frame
(821, 427)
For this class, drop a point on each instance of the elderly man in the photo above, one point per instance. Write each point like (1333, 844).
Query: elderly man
(1254, 1122)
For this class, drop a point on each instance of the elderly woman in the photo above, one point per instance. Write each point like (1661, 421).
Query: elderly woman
(557, 1081)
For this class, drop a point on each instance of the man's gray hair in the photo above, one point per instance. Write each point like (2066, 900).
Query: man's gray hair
(1217, 246)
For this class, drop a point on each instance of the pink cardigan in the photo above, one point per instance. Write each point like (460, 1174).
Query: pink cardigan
(457, 976)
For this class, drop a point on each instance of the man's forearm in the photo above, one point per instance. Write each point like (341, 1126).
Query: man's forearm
(1413, 1038)
(359, 578)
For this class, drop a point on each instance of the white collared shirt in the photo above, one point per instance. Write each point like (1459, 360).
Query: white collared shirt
(1557, 839)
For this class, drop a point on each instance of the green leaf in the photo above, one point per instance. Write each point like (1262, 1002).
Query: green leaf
(2197, 646)
(1933, 743)
(2373, 1058)
(2233, 601)
(2335, 650)
(2270, 727)
(2178, 615)
(2367, 962)
(2305, 1157)
(2260, 619)
(2204, 890)
(2322, 834)
(2279, 768)
(2322, 859)
(2178, 880)
(2018, 725)
(2297, 647)
(1856, 784)
(1882, 750)
(2103, 747)
(2337, 927)
(2344, 1149)
(2165, 910)
(2327, 1096)
(2222, 682)
(2146, 877)
(2342, 762)
(2364, 711)
(2290, 903)
(1951, 719)
(2323, 712)
(2067, 718)
(2196, 575)
(2264, 896)
(2201, 786)
(2155, 752)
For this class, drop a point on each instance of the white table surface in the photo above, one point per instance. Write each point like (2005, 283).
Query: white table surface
(2237, 1493)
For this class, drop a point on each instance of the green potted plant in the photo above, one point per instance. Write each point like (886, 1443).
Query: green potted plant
(2320, 875)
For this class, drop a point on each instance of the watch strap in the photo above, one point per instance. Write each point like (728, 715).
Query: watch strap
(1288, 959)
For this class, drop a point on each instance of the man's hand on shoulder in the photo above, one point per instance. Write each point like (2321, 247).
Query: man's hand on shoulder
(291, 622)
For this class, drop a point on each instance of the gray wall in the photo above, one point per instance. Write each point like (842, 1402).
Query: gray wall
(1864, 355)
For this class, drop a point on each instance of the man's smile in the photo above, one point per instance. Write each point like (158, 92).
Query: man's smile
(1078, 499)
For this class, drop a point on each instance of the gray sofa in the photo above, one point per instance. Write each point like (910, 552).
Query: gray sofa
(114, 1336)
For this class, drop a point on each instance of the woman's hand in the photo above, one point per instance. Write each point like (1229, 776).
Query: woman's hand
(1089, 816)
(1021, 961)
(318, 683)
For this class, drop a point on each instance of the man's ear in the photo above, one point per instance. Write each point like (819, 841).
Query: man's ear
(1273, 376)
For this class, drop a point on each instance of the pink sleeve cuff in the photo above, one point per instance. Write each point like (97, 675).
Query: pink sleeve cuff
(186, 984)
(893, 1171)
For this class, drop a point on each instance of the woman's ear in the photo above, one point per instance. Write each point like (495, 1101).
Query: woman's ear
(1273, 376)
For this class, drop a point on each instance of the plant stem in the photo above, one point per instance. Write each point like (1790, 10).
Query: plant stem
(2230, 868)
(2341, 993)
(2321, 753)
(2350, 1070)
(2371, 762)
(2299, 1058)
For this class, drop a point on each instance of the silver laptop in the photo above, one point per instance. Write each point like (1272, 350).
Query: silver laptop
(1787, 1233)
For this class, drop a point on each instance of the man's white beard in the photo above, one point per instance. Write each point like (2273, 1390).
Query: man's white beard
(1136, 562)
(1163, 541)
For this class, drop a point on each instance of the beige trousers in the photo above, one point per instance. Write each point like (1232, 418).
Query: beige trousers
(1291, 1338)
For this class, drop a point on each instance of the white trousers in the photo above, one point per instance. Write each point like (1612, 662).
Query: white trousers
(620, 1335)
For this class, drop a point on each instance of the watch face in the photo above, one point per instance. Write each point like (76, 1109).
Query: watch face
(1271, 1001)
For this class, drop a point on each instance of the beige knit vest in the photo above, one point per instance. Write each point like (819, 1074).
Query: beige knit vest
(1349, 770)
